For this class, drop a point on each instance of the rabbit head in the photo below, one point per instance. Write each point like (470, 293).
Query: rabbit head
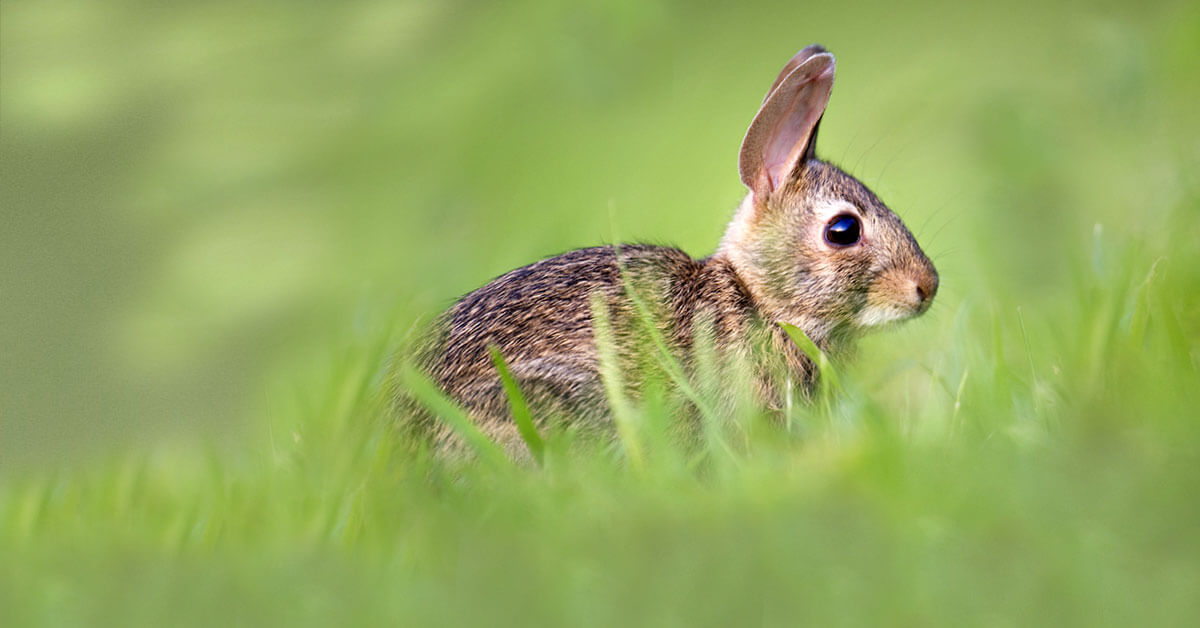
(813, 245)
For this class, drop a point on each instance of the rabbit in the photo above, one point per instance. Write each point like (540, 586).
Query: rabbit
(809, 245)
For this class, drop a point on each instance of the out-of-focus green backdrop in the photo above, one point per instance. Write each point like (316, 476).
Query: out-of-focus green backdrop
(217, 219)
(196, 197)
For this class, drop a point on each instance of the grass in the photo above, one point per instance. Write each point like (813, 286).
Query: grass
(1047, 476)
(265, 211)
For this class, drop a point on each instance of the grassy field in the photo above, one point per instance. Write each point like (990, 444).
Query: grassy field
(224, 219)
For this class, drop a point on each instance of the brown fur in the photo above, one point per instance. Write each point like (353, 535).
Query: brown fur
(774, 264)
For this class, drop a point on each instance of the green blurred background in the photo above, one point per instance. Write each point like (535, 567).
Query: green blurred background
(196, 199)
(216, 218)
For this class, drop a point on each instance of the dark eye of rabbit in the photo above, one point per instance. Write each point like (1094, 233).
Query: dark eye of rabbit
(843, 230)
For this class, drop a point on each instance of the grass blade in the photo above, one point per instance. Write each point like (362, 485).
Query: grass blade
(1141, 307)
(828, 379)
(427, 394)
(610, 375)
(518, 406)
(665, 357)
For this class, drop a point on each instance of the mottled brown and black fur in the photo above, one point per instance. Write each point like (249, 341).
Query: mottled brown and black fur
(775, 264)
(541, 318)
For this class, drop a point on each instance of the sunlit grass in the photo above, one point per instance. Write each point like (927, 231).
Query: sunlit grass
(1027, 485)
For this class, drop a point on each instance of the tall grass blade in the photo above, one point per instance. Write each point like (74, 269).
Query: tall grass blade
(707, 371)
(958, 396)
(1037, 385)
(1141, 307)
(666, 358)
(828, 380)
(428, 395)
(518, 406)
(610, 376)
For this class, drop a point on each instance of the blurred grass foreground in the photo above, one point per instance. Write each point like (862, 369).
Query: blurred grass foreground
(219, 220)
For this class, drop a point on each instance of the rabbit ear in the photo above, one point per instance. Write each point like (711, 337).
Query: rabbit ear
(792, 64)
(783, 134)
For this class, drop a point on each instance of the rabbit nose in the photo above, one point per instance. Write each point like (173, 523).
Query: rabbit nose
(927, 285)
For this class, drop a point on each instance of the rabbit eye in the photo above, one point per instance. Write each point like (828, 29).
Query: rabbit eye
(843, 230)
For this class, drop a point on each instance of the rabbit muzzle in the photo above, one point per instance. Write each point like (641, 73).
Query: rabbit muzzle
(899, 294)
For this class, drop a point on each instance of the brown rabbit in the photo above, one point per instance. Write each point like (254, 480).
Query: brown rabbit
(810, 245)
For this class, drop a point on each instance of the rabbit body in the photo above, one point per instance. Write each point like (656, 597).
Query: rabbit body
(810, 245)
(541, 319)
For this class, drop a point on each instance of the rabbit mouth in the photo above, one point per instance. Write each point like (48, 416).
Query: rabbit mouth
(877, 315)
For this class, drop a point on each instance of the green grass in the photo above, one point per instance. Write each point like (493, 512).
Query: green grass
(242, 223)
(1046, 474)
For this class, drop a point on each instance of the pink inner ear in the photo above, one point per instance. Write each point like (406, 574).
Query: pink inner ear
(789, 138)
(775, 143)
